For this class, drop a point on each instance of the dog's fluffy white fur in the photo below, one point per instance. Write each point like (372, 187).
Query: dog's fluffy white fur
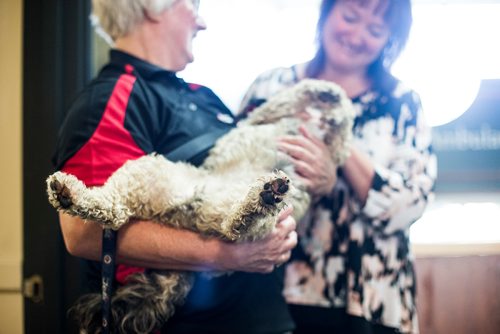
(235, 195)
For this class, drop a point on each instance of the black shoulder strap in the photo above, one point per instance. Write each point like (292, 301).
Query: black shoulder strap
(195, 146)
(185, 152)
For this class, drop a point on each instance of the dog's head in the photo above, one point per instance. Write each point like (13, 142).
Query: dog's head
(321, 106)
(325, 110)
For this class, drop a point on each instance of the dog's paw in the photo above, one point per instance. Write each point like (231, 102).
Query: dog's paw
(275, 189)
(61, 193)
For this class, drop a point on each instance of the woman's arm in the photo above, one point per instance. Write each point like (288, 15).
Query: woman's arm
(392, 197)
(317, 171)
(151, 245)
(358, 171)
(403, 185)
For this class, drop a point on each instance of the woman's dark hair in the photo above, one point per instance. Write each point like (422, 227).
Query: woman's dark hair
(398, 16)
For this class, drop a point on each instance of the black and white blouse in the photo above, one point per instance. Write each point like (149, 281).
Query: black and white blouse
(358, 256)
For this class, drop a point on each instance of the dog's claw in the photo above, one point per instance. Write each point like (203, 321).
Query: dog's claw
(274, 190)
(62, 193)
(55, 185)
(280, 186)
(267, 197)
(65, 201)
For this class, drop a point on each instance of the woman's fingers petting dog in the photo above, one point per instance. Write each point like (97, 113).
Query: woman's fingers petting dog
(312, 162)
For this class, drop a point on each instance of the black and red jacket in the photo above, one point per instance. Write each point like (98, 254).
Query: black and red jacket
(134, 108)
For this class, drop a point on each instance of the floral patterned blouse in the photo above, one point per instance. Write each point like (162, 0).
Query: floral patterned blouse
(357, 256)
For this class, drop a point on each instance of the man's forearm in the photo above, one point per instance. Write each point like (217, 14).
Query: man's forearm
(146, 244)
(151, 245)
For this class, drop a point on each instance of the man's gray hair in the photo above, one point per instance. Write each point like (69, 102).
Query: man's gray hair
(116, 18)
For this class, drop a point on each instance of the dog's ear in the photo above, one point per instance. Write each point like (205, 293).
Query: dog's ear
(329, 97)
(251, 106)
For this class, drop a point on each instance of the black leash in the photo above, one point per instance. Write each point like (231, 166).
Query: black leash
(190, 151)
(108, 258)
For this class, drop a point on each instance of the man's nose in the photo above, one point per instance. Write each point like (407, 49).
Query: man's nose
(200, 23)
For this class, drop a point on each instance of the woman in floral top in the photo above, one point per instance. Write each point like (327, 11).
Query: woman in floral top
(353, 270)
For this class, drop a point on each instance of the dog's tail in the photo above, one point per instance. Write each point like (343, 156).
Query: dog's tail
(143, 305)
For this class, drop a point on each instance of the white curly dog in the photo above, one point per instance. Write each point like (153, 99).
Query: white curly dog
(235, 195)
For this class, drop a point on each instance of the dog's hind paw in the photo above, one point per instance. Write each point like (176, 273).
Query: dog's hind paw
(62, 193)
(59, 194)
(275, 189)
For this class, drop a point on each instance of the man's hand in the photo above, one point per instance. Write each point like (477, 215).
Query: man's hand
(264, 255)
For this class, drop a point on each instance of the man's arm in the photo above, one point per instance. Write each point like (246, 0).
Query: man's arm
(151, 245)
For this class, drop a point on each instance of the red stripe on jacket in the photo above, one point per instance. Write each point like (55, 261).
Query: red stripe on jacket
(109, 147)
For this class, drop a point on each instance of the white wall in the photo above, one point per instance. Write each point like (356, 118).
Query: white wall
(453, 44)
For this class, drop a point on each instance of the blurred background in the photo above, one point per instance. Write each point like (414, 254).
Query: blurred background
(49, 52)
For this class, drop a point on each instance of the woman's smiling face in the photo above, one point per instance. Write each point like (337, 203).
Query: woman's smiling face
(354, 34)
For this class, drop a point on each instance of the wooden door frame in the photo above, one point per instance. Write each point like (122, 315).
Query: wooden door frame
(56, 65)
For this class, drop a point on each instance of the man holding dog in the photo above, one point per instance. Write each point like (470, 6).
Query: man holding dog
(137, 105)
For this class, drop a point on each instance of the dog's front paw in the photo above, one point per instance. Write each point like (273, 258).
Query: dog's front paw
(61, 193)
(275, 189)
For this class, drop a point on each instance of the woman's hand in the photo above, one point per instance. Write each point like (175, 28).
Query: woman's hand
(312, 162)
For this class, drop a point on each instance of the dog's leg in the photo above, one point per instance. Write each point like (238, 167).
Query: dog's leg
(249, 219)
(70, 195)
(256, 215)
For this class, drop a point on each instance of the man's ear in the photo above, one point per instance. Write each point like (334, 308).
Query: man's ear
(152, 17)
